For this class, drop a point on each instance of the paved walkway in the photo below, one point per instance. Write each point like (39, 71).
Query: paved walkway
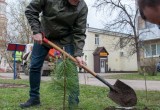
(135, 84)
(89, 80)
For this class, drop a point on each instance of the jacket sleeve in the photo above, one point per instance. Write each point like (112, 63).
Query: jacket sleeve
(79, 30)
(32, 13)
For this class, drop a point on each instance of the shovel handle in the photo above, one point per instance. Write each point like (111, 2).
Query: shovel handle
(74, 60)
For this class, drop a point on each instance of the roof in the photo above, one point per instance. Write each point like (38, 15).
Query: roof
(107, 32)
(99, 49)
(155, 39)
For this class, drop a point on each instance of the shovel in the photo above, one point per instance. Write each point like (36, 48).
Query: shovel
(120, 93)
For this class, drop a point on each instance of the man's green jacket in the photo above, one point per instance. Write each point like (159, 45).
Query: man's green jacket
(60, 21)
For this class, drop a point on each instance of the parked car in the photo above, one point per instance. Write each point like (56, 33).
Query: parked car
(47, 65)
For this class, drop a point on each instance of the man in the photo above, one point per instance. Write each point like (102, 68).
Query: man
(18, 60)
(64, 23)
(150, 10)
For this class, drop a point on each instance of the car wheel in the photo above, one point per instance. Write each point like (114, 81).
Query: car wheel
(46, 72)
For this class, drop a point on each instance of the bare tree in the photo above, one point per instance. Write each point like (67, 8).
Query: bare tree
(123, 19)
(18, 26)
(17, 29)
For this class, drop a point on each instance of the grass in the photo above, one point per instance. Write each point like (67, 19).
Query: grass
(133, 76)
(91, 98)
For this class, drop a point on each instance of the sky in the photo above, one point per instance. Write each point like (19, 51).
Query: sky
(95, 19)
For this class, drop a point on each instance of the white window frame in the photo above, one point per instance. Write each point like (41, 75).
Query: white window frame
(150, 50)
(96, 39)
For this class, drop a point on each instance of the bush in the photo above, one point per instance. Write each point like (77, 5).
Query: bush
(149, 66)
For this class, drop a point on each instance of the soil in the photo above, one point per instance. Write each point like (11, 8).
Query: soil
(7, 85)
(114, 108)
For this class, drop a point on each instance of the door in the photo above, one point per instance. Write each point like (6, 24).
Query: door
(102, 65)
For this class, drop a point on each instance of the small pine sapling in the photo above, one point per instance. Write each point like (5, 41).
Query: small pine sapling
(65, 79)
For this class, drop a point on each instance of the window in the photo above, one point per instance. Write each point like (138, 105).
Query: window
(121, 54)
(147, 50)
(152, 50)
(158, 49)
(122, 42)
(96, 39)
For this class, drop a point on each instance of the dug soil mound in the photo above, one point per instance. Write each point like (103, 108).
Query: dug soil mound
(12, 85)
(114, 108)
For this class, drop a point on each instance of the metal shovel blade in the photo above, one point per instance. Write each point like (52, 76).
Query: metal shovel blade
(124, 95)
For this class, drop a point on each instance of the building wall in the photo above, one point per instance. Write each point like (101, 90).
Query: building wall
(3, 33)
(89, 49)
(146, 59)
(115, 61)
(3, 23)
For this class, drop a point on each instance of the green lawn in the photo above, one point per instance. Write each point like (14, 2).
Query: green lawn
(91, 98)
(133, 76)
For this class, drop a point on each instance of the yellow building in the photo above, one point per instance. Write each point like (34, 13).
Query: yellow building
(102, 57)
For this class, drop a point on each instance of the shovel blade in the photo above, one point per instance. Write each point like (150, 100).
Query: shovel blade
(123, 94)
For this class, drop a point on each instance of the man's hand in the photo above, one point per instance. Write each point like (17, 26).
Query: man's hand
(80, 61)
(37, 38)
